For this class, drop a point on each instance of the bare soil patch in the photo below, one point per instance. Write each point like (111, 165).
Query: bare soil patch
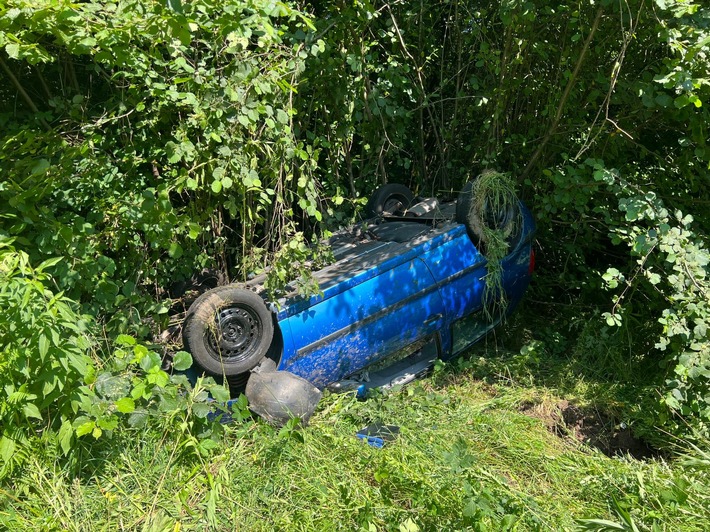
(589, 426)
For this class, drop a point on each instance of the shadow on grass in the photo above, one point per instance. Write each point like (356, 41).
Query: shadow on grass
(602, 382)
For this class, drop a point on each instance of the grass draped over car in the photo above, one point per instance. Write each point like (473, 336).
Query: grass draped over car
(495, 216)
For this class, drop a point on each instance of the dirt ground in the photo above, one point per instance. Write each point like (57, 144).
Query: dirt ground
(588, 426)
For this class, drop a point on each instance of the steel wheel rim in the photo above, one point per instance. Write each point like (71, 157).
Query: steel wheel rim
(235, 334)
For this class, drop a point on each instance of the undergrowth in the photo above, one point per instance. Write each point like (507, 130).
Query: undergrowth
(466, 458)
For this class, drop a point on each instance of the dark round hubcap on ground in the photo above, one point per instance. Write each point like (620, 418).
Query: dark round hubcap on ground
(237, 333)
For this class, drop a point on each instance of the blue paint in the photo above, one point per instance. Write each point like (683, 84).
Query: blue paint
(422, 288)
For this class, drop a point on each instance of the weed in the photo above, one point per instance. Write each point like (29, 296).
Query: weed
(495, 218)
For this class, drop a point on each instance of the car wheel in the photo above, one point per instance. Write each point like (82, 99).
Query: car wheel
(478, 220)
(389, 199)
(228, 330)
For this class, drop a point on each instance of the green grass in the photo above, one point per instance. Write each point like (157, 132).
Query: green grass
(469, 457)
(466, 458)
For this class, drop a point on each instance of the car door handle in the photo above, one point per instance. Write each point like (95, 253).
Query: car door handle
(435, 317)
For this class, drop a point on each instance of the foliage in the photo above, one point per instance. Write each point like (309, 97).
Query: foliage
(672, 261)
(150, 142)
(296, 261)
(143, 141)
(54, 391)
(135, 392)
(466, 458)
(43, 360)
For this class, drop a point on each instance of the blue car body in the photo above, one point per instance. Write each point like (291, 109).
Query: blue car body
(396, 284)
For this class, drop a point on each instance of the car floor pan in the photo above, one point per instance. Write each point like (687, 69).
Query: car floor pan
(278, 396)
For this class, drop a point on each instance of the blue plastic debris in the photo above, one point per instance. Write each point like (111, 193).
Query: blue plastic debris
(377, 434)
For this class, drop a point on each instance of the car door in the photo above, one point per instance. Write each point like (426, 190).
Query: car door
(364, 324)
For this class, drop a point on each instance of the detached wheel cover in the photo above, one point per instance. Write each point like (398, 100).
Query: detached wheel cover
(228, 330)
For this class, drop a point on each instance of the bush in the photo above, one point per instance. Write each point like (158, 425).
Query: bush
(44, 343)
(170, 148)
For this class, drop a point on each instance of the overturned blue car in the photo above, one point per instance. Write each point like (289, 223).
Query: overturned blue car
(408, 285)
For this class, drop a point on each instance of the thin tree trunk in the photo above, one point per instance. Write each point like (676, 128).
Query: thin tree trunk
(563, 100)
(23, 93)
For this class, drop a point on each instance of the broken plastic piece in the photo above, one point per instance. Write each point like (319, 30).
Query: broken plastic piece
(377, 434)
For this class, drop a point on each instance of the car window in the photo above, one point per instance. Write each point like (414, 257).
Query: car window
(468, 329)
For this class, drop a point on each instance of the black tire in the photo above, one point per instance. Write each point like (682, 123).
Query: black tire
(228, 330)
(389, 199)
(476, 220)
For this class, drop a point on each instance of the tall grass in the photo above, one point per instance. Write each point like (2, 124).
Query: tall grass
(466, 458)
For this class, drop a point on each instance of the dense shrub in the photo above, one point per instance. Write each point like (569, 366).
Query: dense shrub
(151, 141)
(44, 343)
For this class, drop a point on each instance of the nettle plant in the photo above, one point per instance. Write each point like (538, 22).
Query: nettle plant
(134, 391)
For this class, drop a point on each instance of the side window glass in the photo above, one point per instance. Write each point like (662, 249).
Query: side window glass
(469, 329)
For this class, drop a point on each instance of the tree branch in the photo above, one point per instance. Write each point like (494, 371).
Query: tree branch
(23, 93)
(565, 95)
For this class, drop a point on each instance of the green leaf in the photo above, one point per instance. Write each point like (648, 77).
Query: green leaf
(175, 250)
(219, 393)
(140, 351)
(150, 361)
(78, 362)
(159, 378)
(138, 419)
(108, 422)
(65, 436)
(175, 5)
(194, 230)
(654, 278)
(201, 409)
(182, 360)
(31, 410)
(43, 346)
(7, 448)
(125, 340)
(681, 101)
(125, 405)
(13, 50)
(84, 428)
(601, 524)
(208, 444)
(48, 263)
